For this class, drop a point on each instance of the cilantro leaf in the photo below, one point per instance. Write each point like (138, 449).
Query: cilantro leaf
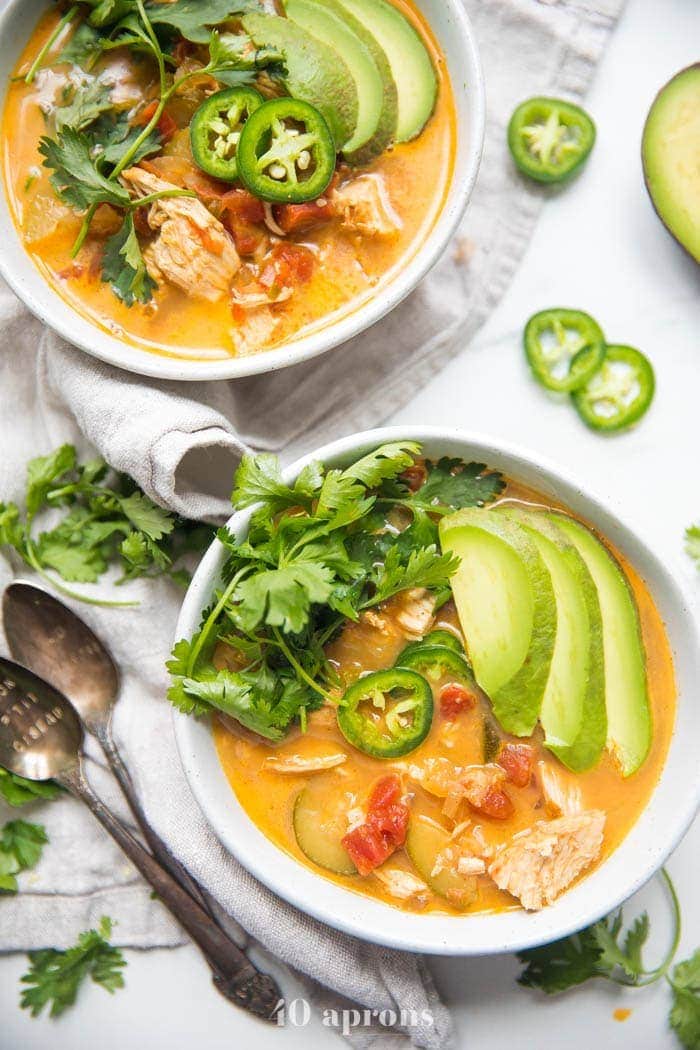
(387, 461)
(188, 18)
(84, 104)
(123, 266)
(283, 597)
(453, 484)
(43, 472)
(55, 977)
(113, 134)
(107, 12)
(77, 564)
(259, 480)
(685, 1011)
(84, 46)
(76, 178)
(147, 516)
(564, 964)
(21, 845)
(234, 59)
(692, 543)
(612, 954)
(425, 567)
(17, 791)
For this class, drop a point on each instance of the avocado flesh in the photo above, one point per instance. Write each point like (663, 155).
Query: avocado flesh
(369, 67)
(315, 72)
(573, 714)
(670, 157)
(626, 691)
(505, 602)
(411, 65)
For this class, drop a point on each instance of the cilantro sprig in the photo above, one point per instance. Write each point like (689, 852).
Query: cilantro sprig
(609, 951)
(21, 845)
(319, 552)
(55, 977)
(18, 791)
(106, 521)
(93, 141)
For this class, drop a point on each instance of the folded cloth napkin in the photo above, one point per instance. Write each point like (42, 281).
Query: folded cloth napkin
(181, 442)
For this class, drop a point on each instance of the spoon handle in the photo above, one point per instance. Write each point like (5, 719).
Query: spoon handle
(234, 974)
(158, 848)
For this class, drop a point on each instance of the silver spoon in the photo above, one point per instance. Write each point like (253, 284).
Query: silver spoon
(41, 739)
(50, 639)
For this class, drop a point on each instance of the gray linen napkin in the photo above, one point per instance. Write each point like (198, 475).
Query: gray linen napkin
(181, 442)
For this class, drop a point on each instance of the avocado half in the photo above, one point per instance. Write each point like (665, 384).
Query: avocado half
(669, 157)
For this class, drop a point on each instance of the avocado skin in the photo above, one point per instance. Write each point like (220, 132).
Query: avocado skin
(517, 703)
(585, 750)
(315, 72)
(664, 196)
(386, 128)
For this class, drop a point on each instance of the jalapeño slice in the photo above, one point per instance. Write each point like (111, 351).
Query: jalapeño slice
(286, 152)
(619, 393)
(435, 662)
(216, 129)
(550, 139)
(564, 348)
(439, 636)
(387, 714)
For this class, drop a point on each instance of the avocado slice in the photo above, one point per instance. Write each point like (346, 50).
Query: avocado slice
(573, 712)
(626, 690)
(315, 72)
(505, 601)
(411, 65)
(670, 157)
(376, 91)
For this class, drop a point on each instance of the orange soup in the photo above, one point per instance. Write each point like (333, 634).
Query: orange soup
(473, 742)
(234, 268)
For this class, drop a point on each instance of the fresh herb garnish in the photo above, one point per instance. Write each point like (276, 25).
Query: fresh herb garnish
(456, 485)
(82, 104)
(124, 267)
(55, 977)
(685, 1011)
(692, 543)
(76, 178)
(318, 552)
(608, 951)
(18, 791)
(104, 524)
(20, 848)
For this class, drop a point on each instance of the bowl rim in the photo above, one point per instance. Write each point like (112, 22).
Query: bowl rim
(508, 931)
(45, 303)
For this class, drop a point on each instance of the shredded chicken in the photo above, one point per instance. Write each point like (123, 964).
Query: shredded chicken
(471, 866)
(192, 250)
(416, 612)
(562, 797)
(403, 885)
(252, 300)
(301, 764)
(257, 331)
(538, 864)
(364, 206)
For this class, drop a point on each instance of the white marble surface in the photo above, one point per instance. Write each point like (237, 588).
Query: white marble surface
(599, 246)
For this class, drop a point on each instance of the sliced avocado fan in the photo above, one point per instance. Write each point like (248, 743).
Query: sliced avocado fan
(315, 72)
(573, 714)
(377, 97)
(505, 601)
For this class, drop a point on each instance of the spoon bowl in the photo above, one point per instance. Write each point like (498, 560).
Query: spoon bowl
(45, 635)
(40, 733)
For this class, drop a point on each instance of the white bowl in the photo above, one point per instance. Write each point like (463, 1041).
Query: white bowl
(656, 833)
(454, 33)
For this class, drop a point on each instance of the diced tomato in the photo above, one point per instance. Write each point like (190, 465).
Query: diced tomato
(240, 214)
(517, 760)
(297, 218)
(415, 476)
(384, 829)
(496, 804)
(454, 699)
(166, 125)
(288, 265)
